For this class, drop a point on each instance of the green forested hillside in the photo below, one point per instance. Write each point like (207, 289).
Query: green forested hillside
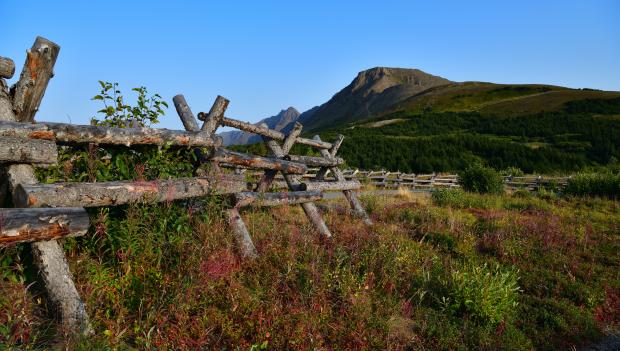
(582, 133)
(449, 141)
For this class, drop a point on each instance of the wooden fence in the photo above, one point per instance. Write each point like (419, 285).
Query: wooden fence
(388, 179)
(394, 180)
(42, 213)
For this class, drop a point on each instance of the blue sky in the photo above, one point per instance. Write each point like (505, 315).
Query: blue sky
(267, 55)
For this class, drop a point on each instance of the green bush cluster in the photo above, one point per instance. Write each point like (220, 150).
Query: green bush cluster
(90, 163)
(594, 184)
(480, 179)
(488, 294)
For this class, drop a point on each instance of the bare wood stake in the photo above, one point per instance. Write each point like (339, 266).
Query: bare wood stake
(354, 202)
(336, 145)
(48, 256)
(36, 74)
(213, 119)
(34, 224)
(291, 138)
(242, 236)
(7, 67)
(187, 117)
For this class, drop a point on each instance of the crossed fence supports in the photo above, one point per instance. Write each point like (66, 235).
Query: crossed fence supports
(300, 192)
(43, 213)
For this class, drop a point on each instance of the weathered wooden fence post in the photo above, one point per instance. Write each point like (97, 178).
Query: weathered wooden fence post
(312, 212)
(354, 202)
(48, 255)
(240, 231)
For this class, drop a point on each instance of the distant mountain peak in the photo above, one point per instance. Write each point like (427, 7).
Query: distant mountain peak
(370, 92)
(378, 79)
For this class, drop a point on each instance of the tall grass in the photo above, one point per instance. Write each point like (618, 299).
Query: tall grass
(488, 294)
(594, 184)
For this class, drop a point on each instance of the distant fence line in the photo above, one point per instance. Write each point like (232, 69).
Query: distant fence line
(394, 180)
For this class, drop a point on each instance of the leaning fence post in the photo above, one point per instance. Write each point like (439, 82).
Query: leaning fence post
(312, 212)
(287, 145)
(354, 202)
(48, 255)
(240, 231)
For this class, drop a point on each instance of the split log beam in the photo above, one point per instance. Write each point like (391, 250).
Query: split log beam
(20, 150)
(354, 202)
(122, 192)
(235, 222)
(72, 134)
(34, 224)
(7, 67)
(268, 133)
(48, 256)
(315, 161)
(339, 185)
(241, 159)
(276, 199)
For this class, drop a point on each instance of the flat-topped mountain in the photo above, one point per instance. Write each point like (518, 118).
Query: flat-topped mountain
(370, 93)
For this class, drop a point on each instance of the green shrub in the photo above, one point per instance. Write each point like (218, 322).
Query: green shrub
(512, 172)
(448, 197)
(141, 162)
(119, 114)
(522, 194)
(488, 295)
(484, 180)
(594, 184)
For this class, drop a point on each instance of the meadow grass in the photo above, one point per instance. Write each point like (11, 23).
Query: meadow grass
(454, 271)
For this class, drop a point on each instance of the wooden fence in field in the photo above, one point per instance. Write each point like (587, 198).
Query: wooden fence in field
(42, 213)
(394, 180)
(386, 179)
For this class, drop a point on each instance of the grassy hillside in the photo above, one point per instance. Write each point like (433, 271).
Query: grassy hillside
(534, 127)
(498, 99)
(455, 131)
(456, 272)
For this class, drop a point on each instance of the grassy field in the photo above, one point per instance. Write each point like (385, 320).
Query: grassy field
(443, 272)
